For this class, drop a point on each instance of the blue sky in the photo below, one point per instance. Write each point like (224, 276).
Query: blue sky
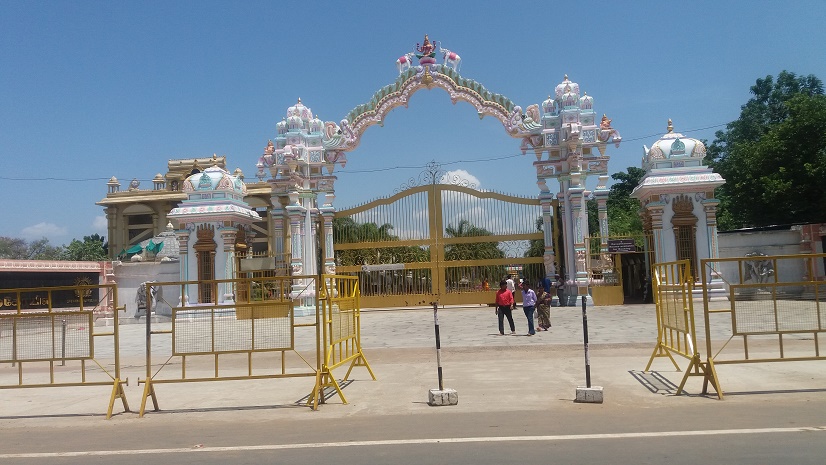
(90, 90)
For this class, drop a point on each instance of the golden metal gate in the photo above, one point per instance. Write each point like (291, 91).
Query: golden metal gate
(438, 242)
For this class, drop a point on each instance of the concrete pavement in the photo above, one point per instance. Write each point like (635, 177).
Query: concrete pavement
(491, 373)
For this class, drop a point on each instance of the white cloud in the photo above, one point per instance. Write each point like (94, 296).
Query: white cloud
(99, 225)
(40, 230)
(461, 178)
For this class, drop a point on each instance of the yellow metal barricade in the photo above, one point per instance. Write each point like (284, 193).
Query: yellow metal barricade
(341, 333)
(761, 309)
(676, 335)
(261, 320)
(55, 327)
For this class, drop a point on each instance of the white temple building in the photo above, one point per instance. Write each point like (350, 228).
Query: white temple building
(677, 197)
(213, 221)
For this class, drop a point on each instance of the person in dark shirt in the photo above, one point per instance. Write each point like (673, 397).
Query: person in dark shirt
(559, 284)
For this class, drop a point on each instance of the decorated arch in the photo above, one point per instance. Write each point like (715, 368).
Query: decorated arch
(567, 138)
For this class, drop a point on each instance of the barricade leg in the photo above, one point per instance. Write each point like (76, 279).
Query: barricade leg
(117, 393)
(661, 351)
(711, 377)
(148, 391)
(324, 378)
(360, 361)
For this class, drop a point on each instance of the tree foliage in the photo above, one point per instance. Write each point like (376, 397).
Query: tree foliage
(348, 231)
(536, 248)
(20, 249)
(474, 250)
(92, 248)
(623, 210)
(773, 157)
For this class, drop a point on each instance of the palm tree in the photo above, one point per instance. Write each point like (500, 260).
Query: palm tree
(472, 251)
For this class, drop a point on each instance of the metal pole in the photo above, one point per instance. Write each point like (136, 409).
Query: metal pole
(63, 342)
(585, 338)
(438, 344)
(321, 309)
(148, 310)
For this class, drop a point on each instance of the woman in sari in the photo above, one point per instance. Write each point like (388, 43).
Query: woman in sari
(543, 308)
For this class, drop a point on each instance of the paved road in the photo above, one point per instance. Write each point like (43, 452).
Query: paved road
(515, 404)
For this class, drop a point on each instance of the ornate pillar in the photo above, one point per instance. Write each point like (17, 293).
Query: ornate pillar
(710, 209)
(111, 231)
(569, 267)
(280, 239)
(601, 196)
(580, 228)
(327, 212)
(228, 234)
(156, 229)
(183, 244)
(549, 258)
(296, 215)
(655, 209)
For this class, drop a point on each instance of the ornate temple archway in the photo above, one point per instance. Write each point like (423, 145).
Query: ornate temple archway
(563, 133)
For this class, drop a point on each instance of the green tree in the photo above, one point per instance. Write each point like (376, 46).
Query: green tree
(20, 249)
(773, 156)
(348, 231)
(473, 250)
(536, 248)
(14, 248)
(623, 210)
(42, 250)
(92, 248)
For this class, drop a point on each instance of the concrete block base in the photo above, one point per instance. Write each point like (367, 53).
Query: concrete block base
(446, 396)
(591, 395)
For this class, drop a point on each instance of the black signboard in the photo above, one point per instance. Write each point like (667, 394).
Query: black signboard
(621, 245)
(39, 297)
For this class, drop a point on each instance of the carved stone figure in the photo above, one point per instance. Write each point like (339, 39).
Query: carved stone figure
(451, 58)
(758, 270)
(404, 62)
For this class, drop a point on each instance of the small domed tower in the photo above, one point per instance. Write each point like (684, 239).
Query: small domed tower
(209, 221)
(677, 196)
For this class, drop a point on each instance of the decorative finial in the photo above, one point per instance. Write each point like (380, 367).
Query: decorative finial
(299, 99)
(670, 125)
(566, 77)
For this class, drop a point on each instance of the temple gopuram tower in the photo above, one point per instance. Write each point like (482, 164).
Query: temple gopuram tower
(301, 192)
(573, 145)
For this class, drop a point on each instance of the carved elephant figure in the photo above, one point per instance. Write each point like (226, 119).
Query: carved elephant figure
(451, 58)
(404, 62)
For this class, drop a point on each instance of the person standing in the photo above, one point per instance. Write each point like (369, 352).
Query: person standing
(504, 307)
(559, 284)
(528, 305)
(512, 288)
(547, 284)
(543, 308)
